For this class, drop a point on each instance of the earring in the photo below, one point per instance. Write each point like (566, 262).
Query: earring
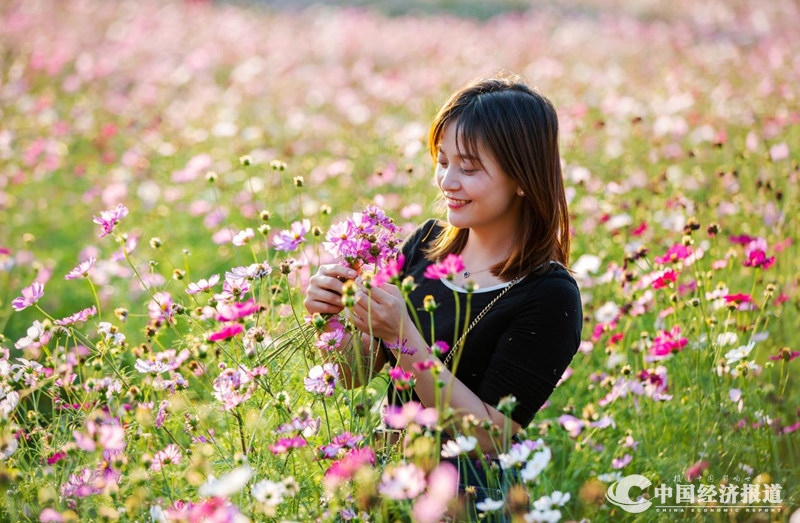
(521, 193)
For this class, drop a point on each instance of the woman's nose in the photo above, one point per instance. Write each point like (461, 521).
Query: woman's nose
(449, 181)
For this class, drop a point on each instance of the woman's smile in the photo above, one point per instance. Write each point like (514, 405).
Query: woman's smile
(453, 203)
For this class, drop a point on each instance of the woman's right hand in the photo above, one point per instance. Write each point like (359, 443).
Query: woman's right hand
(324, 293)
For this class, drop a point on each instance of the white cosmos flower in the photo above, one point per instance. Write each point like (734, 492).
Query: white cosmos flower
(489, 505)
(543, 516)
(518, 454)
(461, 444)
(268, 492)
(536, 465)
(733, 356)
(228, 484)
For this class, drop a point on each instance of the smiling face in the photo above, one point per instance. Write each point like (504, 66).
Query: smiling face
(477, 191)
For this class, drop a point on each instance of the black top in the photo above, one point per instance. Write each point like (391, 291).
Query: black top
(521, 346)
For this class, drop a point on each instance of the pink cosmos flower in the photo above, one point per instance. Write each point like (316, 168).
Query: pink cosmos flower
(668, 342)
(785, 355)
(50, 515)
(696, 470)
(284, 444)
(398, 417)
(203, 285)
(619, 463)
(758, 258)
(402, 380)
(237, 310)
(677, 252)
(442, 488)
(227, 332)
(109, 219)
(30, 295)
(162, 414)
(330, 340)
(234, 386)
(81, 316)
(448, 268)
(81, 271)
(290, 240)
(346, 467)
(171, 455)
(737, 298)
(389, 272)
(405, 481)
(243, 237)
(160, 307)
(779, 151)
(439, 348)
(340, 238)
(111, 437)
(322, 379)
(662, 281)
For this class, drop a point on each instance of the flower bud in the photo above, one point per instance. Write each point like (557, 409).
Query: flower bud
(178, 274)
(155, 242)
(407, 285)
(264, 229)
(286, 267)
(429, 304)
(298, 181)
(325, 209)
(277, 165)
(265, 216)
(316, 231)
(246, 160)
(211, 177)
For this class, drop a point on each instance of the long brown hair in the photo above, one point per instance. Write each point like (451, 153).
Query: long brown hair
(520, 128)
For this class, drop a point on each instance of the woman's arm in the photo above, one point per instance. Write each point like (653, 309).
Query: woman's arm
(387, 305)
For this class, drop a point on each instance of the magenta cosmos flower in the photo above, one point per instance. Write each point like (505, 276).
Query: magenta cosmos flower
(322, 379)
(227, 332)
(290, 240)
(677, 252)
(447, 268)
(81, 271)
(237, 310)
(389, 272)
(30, 295)
(109, 219)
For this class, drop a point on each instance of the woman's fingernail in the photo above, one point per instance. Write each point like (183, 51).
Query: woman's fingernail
(351, 273)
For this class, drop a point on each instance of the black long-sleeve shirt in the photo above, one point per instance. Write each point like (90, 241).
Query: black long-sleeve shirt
(523, 344)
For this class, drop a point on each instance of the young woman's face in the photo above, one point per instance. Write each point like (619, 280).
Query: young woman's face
(477, 193)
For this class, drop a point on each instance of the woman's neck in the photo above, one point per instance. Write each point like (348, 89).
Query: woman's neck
(485, 248)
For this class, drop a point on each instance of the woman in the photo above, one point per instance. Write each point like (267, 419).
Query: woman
(495, 144)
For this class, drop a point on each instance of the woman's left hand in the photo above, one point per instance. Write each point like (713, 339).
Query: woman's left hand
(386, 309)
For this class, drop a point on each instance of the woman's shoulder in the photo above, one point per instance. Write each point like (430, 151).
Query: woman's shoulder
(555, 286)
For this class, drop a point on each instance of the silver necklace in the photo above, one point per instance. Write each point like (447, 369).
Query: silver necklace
(467, 273)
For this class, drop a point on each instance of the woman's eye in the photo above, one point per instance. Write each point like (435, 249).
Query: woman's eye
(467, 171)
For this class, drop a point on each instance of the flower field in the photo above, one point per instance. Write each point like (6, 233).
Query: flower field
(173, 173)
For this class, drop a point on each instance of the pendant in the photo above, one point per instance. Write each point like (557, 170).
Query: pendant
(466, 274)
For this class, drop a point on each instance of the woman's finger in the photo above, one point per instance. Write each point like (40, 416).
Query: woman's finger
(325, 296)
(330, 283)
(337, 271)
(322, 307)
